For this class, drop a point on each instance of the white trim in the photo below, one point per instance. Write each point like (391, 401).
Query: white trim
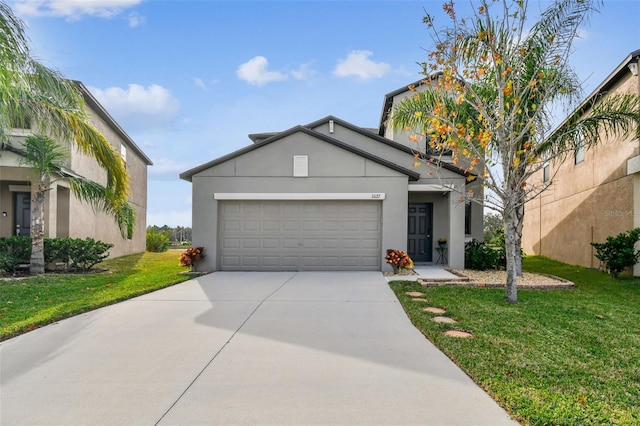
(20, 188)
(375, 196)
(429, 188)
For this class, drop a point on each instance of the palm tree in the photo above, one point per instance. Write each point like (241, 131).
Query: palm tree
(492, 97)
(34, 96)
(49, 163)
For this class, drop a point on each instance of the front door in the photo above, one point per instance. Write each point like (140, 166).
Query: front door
(420, 240)
(22, 213)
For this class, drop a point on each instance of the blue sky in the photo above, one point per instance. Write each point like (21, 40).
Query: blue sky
(189, 80)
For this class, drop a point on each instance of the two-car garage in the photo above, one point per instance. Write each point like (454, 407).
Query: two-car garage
(299, 234)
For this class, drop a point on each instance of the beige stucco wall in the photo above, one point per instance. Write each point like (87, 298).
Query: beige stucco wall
(586, 202)
(81, 218)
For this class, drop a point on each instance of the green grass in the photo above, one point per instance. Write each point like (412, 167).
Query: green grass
(29, 303)
(558, 357)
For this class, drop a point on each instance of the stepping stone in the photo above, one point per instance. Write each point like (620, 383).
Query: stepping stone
(420, 299)
(444, 319)
(414, 294)
(434, 310)
(458, 333)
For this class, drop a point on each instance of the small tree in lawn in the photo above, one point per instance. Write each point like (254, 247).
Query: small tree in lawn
(491, 84)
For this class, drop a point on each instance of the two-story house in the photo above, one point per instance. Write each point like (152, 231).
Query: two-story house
(65, 215)
(594, 193)
(330, 195)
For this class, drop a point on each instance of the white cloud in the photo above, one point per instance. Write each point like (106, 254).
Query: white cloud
(358, 64)
(73, 9)
(304, 72)
(139, 107)
(135, 20)
(256, 72)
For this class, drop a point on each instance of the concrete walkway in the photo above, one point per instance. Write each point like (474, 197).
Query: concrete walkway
(424, 272)
(241, 348)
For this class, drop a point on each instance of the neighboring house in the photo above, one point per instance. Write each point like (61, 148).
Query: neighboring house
(65, 215)
(328, 196)
(593, 193)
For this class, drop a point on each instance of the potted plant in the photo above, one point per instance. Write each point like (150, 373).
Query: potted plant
(442, 242)
(398, 260)
(190, 256)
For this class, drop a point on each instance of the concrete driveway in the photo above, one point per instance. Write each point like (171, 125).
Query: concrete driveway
(241, 348)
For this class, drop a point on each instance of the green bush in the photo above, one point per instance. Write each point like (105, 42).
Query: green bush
(481, 256)
(77, 253)
(57, 249)
(13, 251)
(157, 241)
(85, 254)
(8, 262)
(619, 252)
(18, 246)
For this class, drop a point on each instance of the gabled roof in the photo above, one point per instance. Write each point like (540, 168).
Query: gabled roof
(259, 137)
(93, 103)
(387, 104)
(187, 175)
(620, 71)
(389, 142)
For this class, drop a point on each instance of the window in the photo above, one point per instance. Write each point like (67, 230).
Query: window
(579, 150)
(467, 218)
(123, 152)
(546, 172)
(21, 123)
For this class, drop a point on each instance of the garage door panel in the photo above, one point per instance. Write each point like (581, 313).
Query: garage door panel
(231, 243)
(300, 235)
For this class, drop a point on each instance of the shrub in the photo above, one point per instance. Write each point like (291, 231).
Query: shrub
(57, 249)
(18, 246)
(480, 256)
(13, 251)
(85, 254)
(8, 262)
(619, 252)
(157, 241)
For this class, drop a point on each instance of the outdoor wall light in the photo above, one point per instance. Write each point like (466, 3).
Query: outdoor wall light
(4, 214)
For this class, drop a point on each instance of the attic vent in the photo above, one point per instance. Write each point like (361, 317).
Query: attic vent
(300, 166)
(331, 126)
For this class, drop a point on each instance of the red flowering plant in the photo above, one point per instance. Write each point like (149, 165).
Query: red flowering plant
(190, 256)
(398, 259)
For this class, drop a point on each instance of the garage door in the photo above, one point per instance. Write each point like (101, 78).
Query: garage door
(300, 235)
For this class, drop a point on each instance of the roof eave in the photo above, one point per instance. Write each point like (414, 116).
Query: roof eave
(102, 113)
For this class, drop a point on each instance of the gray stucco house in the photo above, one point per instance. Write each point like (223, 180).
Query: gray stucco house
(329, 195)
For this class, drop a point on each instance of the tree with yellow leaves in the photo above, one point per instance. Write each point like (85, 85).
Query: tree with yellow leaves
(491, 84)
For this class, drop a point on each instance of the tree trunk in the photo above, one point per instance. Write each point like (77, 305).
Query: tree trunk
(513, 254)
(38, 192)
(518, 234)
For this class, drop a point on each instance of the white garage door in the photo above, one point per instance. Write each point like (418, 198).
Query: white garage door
(300, 235)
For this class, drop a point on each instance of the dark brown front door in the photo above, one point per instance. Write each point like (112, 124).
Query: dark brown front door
(420, 240)
(22, 214)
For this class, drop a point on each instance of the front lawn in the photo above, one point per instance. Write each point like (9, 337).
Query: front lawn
(29, 303)
(559, 357)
